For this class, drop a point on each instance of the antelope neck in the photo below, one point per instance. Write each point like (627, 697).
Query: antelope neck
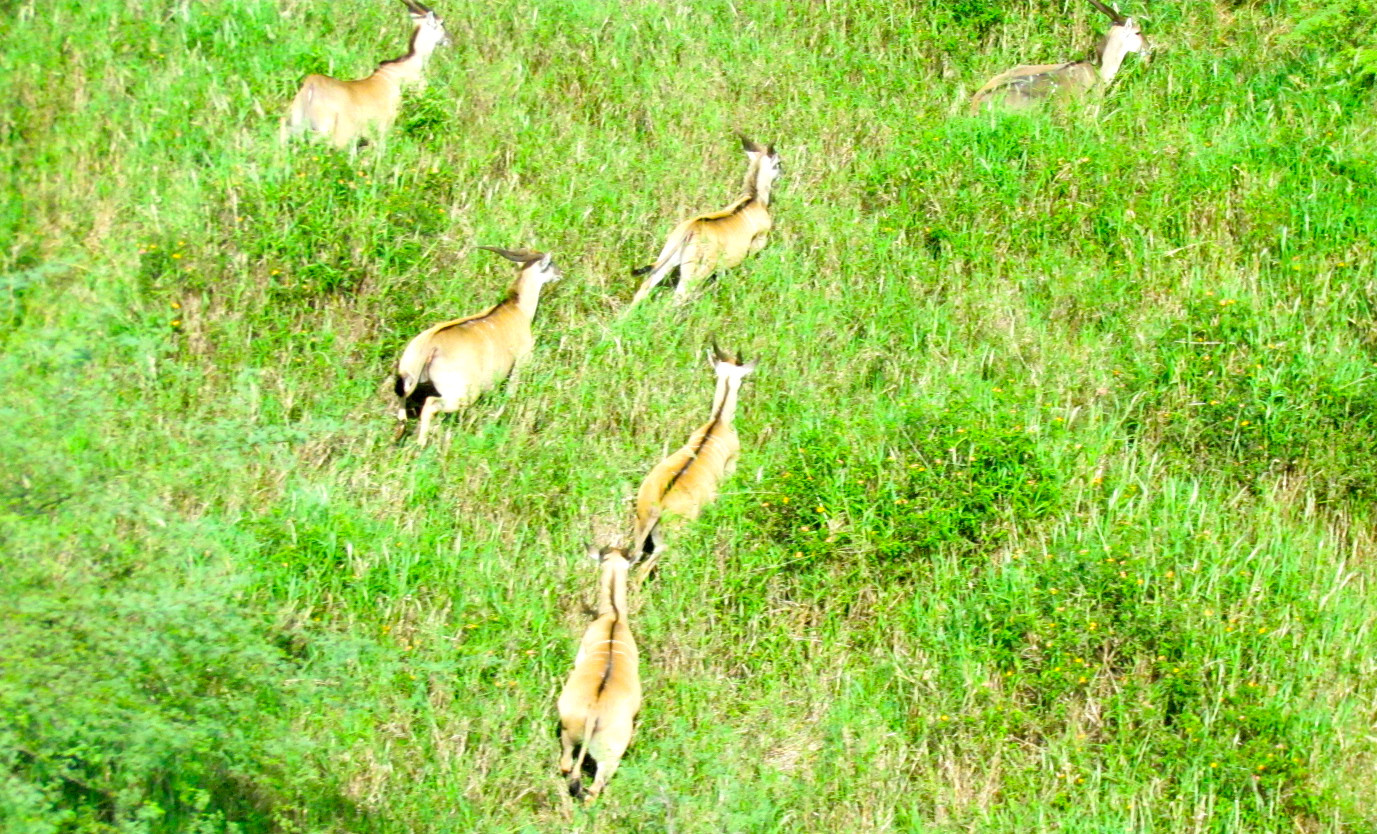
(612, 590)
(757, 186)
(409, 66)
(527, 292)
(724, 398)
(1114, 53)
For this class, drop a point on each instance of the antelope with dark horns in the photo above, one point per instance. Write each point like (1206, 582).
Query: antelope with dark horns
(603, 694)
(448, 366)
(1025, 86)
(684, 483)
(701, 245)
(344, 110)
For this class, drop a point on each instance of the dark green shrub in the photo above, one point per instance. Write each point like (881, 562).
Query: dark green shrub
(948, 480)
(139, 710)
(1234, 393)
(1345, 31)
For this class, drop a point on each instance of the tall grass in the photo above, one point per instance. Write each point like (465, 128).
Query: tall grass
(1055, 503)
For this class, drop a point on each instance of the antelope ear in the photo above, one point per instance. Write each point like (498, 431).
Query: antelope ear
(546, 261)
(748, 367)
(594, 553)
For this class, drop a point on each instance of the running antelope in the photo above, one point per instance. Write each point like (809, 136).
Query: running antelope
(1024, 86)
(702, 244)
(603, 693)
(343, 110)
(685, 482)
(448, 366)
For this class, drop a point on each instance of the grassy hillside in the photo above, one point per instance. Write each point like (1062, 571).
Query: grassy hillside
(1055, 506)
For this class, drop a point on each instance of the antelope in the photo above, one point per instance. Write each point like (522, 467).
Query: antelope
(343, 110)
(603, 694)
(1024, 86)
(701, 244)
(448, 366)
(685, 482)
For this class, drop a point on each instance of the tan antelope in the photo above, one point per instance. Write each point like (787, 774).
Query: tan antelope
(684, 483)
(448, 366)
(603, 694)
(700, 245)
(1025, 86)
(343, 110)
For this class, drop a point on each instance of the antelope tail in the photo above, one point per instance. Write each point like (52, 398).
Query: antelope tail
(409, 378)
(576, 775)
(296, 114)
(673, 246)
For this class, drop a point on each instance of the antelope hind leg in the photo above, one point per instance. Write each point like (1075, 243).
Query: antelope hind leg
(694, 269)
(343, 134)
(608, 763)
(758, 242)
(650, 282)
(432, 406)
(658, 544)
(566, 759)
(643, 571)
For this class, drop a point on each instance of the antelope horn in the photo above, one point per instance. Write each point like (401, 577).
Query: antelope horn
(416, 8)
(1114, 14)
(753, 147)
(520, 256)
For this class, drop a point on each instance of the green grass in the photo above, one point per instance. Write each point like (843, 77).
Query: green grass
(1055, 505)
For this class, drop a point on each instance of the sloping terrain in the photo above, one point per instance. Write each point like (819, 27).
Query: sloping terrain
(1055, 502)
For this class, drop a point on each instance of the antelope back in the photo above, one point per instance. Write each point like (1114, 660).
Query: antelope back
(607, 658)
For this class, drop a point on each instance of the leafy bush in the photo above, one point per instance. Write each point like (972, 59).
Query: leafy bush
(1107, 623)
(294, 236)
(1346, 30)
(1239, 394)
(141, 711)
(952, 479)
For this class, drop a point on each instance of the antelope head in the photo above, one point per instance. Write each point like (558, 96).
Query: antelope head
(727, 365)
(1124, 34)
(538, 265)
(430, 29)
(764, 156)
(602, 554)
